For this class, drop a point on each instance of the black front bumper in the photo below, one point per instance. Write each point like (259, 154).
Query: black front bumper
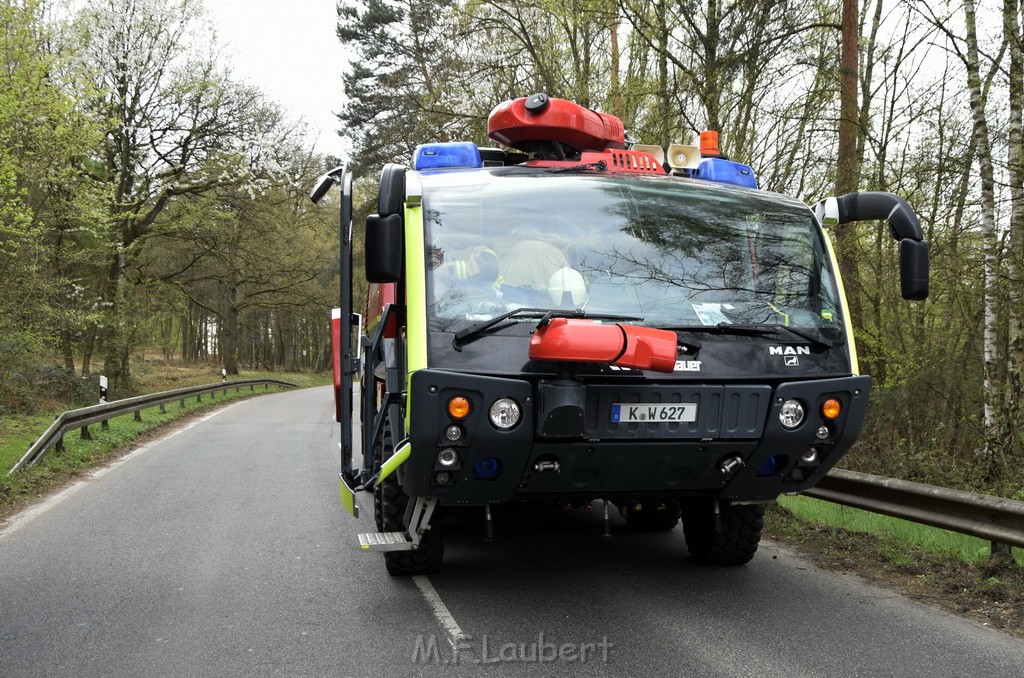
(566, 443)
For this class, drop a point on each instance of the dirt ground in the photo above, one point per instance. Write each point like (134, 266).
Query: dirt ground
(991, 593)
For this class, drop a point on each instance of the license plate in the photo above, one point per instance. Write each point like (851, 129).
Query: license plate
(654, 412)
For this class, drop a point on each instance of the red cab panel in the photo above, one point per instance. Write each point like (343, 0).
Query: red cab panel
(378, 296)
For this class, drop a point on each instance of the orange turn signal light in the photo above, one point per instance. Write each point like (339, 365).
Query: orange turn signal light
(458, 408)
(831, 408)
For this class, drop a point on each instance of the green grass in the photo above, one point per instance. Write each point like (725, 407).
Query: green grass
(18, 432)
(894, 530)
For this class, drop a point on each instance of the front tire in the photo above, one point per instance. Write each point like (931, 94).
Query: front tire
(737, 540)
(389, 506)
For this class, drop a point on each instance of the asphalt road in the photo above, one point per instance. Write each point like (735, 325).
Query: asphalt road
(222, 550)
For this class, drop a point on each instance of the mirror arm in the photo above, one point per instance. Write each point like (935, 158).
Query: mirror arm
(903, 221)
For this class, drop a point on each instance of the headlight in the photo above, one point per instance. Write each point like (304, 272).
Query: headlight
(792, 413)
(505, 413)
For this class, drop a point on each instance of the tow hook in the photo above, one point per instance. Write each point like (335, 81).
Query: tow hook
(547, 466)
(730, 465)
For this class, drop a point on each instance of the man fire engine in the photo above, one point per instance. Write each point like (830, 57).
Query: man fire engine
(576, 317)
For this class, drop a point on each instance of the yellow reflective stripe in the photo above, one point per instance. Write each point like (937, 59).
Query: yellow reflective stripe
(415, 290)
(400, 456)
(348, 497)
(847, 320)
(415, 298)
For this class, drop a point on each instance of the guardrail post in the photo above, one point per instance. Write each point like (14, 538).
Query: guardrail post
(85, 435)
(60, 444)
(252, 387)
(199, 398)
(213, 395)
(1002, 552)
(163, 410)
(182, 403)
(138, 415)
(103, 399)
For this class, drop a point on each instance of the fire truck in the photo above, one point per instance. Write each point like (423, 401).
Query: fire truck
(575, 318)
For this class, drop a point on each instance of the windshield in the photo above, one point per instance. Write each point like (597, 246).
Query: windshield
(673, 252)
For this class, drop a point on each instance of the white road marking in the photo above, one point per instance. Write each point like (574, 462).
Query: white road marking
(441, 611)
(21, 519)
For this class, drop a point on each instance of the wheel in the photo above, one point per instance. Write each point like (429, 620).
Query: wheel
(389, 504)
(734, 544)
(651, 515)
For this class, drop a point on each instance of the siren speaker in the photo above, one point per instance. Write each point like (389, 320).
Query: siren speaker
(657, 151)
(683, 157)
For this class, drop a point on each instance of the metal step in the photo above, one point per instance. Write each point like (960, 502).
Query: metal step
(385, 541)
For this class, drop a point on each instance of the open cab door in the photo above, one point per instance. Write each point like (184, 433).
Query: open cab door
(343, 321)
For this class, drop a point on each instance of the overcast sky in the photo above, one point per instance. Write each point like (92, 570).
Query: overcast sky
(289, 49)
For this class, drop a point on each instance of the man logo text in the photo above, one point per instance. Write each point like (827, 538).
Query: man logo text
(789, 350)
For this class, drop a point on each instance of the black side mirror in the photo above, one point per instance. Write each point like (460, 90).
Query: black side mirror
(384, 248)
(914, 269)
(324, 183)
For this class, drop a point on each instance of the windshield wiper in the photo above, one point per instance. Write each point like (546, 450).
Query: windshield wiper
(464, 336)
(473, 332)
(814, 337)
(759, 330)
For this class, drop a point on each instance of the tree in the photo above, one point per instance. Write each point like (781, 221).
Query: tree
(177, 126)
(847, 158)
(403, 84)
(45, 204)
(234, 251)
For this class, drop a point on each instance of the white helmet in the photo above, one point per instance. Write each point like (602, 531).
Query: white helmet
(567, 281)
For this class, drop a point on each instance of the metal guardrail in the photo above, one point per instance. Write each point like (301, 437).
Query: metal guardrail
(82, 417)
(997, 519)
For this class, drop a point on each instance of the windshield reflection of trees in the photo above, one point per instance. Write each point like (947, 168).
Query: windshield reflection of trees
(669, 252)
(750, 257)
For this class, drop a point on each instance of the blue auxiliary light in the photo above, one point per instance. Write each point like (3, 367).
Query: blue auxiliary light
(460, 154)
(487, 468)
(722, 171)
(768, 467)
